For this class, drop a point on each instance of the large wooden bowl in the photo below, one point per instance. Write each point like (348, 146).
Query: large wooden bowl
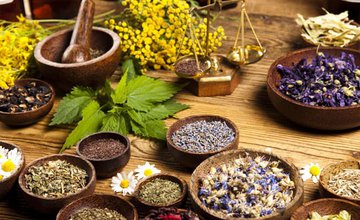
(324, 118)
(191, 159)
(204, 168)
(326, 207)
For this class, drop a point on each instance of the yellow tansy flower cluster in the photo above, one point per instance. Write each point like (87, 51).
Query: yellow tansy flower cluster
(152, 31)
(17, 42)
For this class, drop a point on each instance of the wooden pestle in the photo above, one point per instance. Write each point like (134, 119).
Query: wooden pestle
(79, 49)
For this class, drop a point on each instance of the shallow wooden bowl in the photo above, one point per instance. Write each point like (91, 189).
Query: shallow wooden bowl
(106, 167)
(190, 159)
(147, 206)
(7, 184)
(91, 73)
(204, 168)
(326, 207)
(52, 205)
(28, 117)
(111, 202)
(324, 118)
(149, 217)
(331, 170)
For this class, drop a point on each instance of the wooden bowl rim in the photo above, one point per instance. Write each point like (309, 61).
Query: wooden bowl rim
(179, 180)
(48, 158)
(272, 71)
(325, 185)
(298, 192)
(22, 164)
(115, 45)
(50, 102)
(127, 145)
(182, 121)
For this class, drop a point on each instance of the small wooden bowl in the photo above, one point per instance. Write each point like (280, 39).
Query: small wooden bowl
(324, 118)
(204, 168)
(147, 206)
(106, 167)
(326, 207)
(52, 205)
(331, 170)
(7, 184)
(149, 217)
(111, 202)
(28, 117)
(190, 159)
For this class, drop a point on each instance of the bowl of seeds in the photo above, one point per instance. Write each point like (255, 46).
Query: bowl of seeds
(317, 89)
(12, 161)
(326, 209)
(26, 102)
(98, 206)
(246, 184)
(49, 183)
(193, 139)
(109, 152)
(341, 180)
(160, 190)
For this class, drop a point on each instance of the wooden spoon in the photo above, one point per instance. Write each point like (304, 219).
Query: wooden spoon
(79, 49)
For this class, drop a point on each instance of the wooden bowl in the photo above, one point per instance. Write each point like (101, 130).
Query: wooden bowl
(204, 168)
(331, 170)
(191, 159)
(91, 73)
(7, 184)
(149, 217)
(326, 207)
(52, 205)
(111, 202)
(318, 117)
(147, 206)
(28, 117)
(106, 167)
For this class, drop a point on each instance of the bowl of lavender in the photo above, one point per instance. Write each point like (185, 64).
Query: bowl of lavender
(317, 89)
(246, 184)
(193, 139)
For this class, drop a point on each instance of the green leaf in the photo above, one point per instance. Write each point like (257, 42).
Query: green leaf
(119, 96)
(143, 92)
(135, 117)
(91, 122)
(152, 129)
(162, 111)
(132, 68)
(71, 105)
(116, 122)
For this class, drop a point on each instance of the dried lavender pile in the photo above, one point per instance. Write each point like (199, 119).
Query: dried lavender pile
(22, 99)
(346, 183)
(247, 188)
(326, 81)
(97, 214)
(171, 213)
(203, 136)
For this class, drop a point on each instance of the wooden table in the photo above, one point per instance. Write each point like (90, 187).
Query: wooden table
(260, 125)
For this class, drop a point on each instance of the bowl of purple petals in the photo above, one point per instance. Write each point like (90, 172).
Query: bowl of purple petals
(171, 213)
(318, 89)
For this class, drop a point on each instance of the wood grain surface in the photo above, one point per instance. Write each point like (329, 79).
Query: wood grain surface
(259, 124)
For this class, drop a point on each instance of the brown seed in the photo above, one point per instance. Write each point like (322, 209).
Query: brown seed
(103, 149)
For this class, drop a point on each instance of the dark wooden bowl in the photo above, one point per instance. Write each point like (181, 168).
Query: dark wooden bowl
(7, 184)
(204, 168)
(324, 118)
(147, 206)
(91, 73)
(331, 170)
(106, 167)
(111, 202)
(28, 117)
(52, 205)
(326, 207)
(149, 217)
(190, 159)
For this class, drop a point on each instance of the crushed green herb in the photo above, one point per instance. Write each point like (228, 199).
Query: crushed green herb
(96, 214)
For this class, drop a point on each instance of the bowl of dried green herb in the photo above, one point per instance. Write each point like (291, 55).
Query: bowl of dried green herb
(98, 206)
(49, 183)
(341, 180)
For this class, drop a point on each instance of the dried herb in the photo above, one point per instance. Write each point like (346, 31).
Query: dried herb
(160, 191)
(97, 214)
(346, 183)
(103, 148)
(343, 215)
(171, 214)
(55, 179)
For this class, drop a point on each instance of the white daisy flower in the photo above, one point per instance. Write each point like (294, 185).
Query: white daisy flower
(146, 170)
(10, 164)
(124, 183)
(15, 156)
(311, 171)
(3, 153)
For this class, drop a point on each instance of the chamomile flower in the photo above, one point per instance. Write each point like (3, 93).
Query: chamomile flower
(311, 171)
(3, 153)
(124, 183)
(10, 163)
(146, 170)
